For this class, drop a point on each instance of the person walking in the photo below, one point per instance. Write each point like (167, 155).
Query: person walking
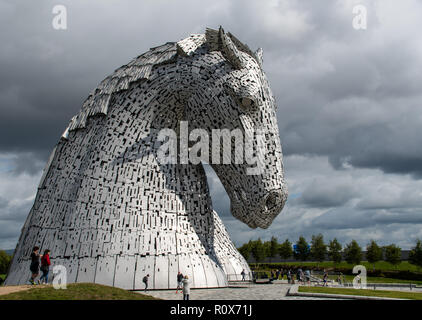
(243, 273)
(277, 274)
(339, 278)
(302, 276)
(186, 288)
(45, 266)
(35, 264)
(179, 281)
(325, 278)
(145, 281)
(308, 277)
(298, 275)
(289, 276)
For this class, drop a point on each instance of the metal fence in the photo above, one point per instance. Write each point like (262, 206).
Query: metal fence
(238, 277)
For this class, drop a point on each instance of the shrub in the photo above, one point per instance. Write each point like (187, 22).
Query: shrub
(5, 261)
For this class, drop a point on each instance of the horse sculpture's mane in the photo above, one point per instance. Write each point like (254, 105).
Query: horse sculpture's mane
(140, 69)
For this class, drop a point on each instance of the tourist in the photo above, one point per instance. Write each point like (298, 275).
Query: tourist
(308, 276)
(282, 273)
(243, 273)
(35, 264)
(325, 278)
(179, 281)
(272, 275)
(357, 280)
(186, 288)
(298, 274)
(145, 281)
(289, 276)
(339, 278)
(45, 266)
(277, 274)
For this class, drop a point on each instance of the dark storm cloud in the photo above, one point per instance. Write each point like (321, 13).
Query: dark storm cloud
(323, 193)
(350, 218)
(12, 216)
(3, 202)
(220, 199)
(319, 66)
(349, 101)
(27, 162)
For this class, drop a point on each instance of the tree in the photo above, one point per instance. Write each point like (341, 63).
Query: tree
(302, 249)
(415, 255)
(246, 249)
(5, 261)
(285, 250)
(353, 253)
(318, 248)
(334, 251)
(393, 254)
(258, 251)
(273, 247)
(373, 253)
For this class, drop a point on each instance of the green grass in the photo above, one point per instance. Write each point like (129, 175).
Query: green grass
(364, 292)
(349, 278)
(77, 291)
(381, 265)
(2, 276)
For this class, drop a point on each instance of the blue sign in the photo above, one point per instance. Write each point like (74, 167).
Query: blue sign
(295, 248)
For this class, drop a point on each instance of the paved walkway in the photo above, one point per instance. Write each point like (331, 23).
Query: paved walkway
(13, 289)
(244, 292)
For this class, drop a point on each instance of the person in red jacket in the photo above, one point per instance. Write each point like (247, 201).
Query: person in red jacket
(45, 266)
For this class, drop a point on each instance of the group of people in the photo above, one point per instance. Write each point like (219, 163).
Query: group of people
(183, 284)
(39, 262)
(305, 277)
(300, 275)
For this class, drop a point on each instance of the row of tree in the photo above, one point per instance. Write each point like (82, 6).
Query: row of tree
(318, 250)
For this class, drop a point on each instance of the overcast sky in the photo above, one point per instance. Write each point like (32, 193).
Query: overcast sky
(349, 102)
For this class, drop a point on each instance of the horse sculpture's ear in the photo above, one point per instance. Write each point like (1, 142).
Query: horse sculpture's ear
(259, 55)
(230, 51)
(231, 47)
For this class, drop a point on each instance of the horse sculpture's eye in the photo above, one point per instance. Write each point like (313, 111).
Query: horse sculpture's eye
(248, 104)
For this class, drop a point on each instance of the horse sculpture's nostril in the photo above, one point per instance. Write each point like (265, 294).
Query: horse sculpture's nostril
(273, 200)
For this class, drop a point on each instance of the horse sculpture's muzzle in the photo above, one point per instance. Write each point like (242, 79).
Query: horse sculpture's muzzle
(264, 212)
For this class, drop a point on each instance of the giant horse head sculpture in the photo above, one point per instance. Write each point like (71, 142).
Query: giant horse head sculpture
(111, 207)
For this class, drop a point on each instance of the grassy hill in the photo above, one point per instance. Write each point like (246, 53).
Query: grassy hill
(76, 291)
